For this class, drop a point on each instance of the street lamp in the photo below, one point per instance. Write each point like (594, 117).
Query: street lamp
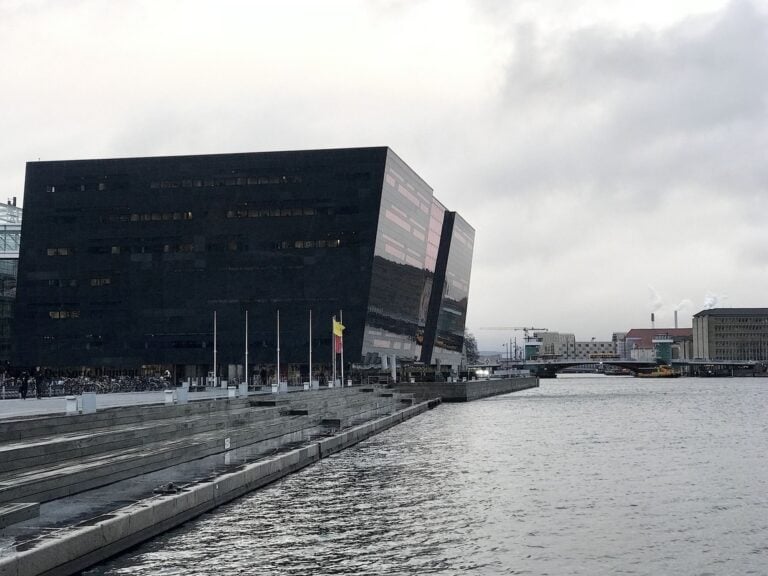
(508, 346)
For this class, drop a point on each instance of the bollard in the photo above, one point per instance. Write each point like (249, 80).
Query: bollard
(168, 397)
(242, 390)
(231, 392)
(71, 405)
(182, 395)
(88, 400)
(349, 382)
(306, 385)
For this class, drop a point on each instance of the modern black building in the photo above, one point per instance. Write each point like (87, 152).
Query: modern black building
(123, 262)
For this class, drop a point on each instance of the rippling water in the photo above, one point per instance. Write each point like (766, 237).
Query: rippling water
(581, 476)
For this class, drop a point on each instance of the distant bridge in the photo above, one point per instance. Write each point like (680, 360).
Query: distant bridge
(549, 368)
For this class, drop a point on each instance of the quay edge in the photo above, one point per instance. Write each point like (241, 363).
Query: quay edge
(467, 391)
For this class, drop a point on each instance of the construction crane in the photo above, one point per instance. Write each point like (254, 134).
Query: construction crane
(525, 330)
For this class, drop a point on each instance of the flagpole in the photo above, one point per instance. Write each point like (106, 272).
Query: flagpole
(215, 380)
(341, 319)
(333, 351)
(246, 351)
(278, 350)
(310, 348)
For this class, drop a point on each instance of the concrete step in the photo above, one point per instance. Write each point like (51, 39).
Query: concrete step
(56, 480)
(14, 512)
(116, 448)
(20, 429)
(44, 450)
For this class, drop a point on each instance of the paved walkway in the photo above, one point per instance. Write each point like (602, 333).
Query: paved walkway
(57, 405)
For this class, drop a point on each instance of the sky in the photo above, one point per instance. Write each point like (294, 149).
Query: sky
(612, 155)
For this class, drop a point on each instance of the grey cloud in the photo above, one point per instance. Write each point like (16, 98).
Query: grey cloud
(644, 111)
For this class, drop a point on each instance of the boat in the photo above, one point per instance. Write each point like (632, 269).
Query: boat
(658, 372)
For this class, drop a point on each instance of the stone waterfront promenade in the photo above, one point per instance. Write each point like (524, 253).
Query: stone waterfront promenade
(76, 489)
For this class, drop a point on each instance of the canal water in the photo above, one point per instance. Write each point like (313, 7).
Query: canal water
(584, 475)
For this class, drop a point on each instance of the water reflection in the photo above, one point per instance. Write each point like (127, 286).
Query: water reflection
(582, 476)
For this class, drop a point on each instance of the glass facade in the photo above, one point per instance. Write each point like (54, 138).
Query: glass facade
(10, 235)
(451, 319)
(403, 268)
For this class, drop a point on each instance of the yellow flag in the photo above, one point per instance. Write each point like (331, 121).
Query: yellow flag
(338, 328)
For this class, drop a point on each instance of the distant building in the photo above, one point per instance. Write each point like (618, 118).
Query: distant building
(650, 344)
(556, 344)
(10, 234)
(125, 261)
(731, 334)
(619, 342)
(595, 349)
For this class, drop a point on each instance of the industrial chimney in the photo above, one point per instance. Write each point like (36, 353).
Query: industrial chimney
(653, 321)
(675, 319)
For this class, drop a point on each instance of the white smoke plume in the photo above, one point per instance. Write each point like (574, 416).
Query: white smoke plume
(685, 303)
(712, 300)
(654, 300)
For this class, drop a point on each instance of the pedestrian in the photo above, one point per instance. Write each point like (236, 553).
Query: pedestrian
(38, 387)
(24, 386)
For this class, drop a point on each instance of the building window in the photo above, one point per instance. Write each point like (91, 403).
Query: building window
(62, 283)
(63, 314)
(59, 251)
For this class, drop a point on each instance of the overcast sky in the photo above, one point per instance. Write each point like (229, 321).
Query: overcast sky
(611, 154)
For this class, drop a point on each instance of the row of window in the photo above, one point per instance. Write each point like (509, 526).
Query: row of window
(72, 282)
(736, 329)
(238, 213)
(148, 217)
(228, 181)
(51, 188)
(189, 183)
(302, 244)
(232, 245)
(182, 247)
(276, 212)
(746, 320)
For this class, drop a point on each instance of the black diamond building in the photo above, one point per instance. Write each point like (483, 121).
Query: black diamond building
(124, 262)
